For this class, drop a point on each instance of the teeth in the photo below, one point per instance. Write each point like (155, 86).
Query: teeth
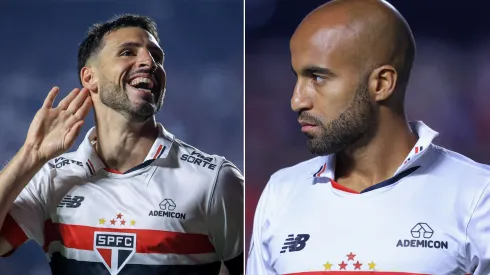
(139, 80)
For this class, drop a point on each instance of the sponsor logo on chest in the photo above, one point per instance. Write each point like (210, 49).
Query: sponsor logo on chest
(167, 207)
(422, 238)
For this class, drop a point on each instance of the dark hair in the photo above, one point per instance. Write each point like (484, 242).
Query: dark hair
(93, 42)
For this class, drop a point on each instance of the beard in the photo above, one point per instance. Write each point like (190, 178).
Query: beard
(354, 125)
(116, 98)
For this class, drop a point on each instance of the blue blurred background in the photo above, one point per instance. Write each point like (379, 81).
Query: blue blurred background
(449, 87)
(203, 43)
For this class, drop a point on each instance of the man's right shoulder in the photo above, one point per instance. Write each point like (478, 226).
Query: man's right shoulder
(55, 178)
(285, 183)
(70, 163)
(285, 179)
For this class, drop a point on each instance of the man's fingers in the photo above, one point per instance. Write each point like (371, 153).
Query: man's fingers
(65, 102)
(78, 101)
(72, 135)
(48, 102)
(83, 111)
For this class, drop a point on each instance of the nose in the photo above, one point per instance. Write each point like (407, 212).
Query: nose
(146, 60)
(300, 100)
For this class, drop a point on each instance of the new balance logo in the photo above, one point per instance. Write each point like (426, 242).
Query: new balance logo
(295, 244)
(71, 202)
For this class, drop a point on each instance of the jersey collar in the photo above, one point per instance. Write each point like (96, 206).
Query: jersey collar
(326, 172)
(159, 149)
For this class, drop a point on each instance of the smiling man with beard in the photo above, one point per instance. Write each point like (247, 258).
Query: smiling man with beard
(380, 197)
(133, 199)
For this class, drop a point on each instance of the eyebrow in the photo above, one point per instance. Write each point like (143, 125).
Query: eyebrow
(316, 70)
(136, 44)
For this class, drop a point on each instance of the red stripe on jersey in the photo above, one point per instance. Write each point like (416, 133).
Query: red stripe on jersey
(354, 273)
(148, 241)
(158, 151)
(323, 170)
(12, 232)
(339, 186)
(114, 171)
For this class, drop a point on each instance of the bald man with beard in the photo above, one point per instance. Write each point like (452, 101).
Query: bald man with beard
(379, 196)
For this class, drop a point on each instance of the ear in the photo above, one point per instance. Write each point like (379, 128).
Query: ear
(382, 82)
(89, 78)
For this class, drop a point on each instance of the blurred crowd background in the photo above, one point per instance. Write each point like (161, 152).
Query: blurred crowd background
(449, 87)
(203, 43)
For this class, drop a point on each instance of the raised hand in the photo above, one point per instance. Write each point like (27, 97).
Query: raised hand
(54, 130)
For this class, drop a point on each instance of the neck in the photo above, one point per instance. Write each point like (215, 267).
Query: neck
(122, 144)
(379, 158)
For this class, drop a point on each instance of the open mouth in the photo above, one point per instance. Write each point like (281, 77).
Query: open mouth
(143, 84)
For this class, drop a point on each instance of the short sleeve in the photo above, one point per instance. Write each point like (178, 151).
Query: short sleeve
(258, 257)
(26, 217)
(478, 237)
(225, 216)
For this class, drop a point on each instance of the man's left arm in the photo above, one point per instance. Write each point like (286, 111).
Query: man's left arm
(225, 217)
(478, 236)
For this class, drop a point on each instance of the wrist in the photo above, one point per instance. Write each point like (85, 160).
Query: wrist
(31, 158)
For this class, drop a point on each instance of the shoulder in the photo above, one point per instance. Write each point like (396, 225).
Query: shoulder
(453, 165)
(56, 176)
(287, 178)
(194, 159)
(217, 177)
(67, 162)
(208, 169)
(457, 176)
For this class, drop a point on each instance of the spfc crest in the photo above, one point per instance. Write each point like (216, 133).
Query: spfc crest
(114, 249)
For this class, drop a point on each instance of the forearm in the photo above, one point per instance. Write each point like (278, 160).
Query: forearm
(15, 176)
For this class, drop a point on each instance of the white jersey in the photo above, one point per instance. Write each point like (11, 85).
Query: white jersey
(179, 212)
(431, 217)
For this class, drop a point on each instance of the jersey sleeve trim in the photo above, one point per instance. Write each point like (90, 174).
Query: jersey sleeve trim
(213, 187)
(471, 216)
(12, 232)
(223, 163)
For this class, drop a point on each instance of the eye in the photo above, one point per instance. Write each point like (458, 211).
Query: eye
(318, 78)
(127, 53)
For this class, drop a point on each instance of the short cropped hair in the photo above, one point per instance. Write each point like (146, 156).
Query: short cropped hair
(92, 43)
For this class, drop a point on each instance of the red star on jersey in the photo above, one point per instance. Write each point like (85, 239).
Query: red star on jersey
(350, 256)
(113, 222)
(123, 222)
(343, 265)
(357, 266)
(119, 216)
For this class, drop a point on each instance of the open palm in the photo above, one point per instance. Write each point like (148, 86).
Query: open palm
(54, 130)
